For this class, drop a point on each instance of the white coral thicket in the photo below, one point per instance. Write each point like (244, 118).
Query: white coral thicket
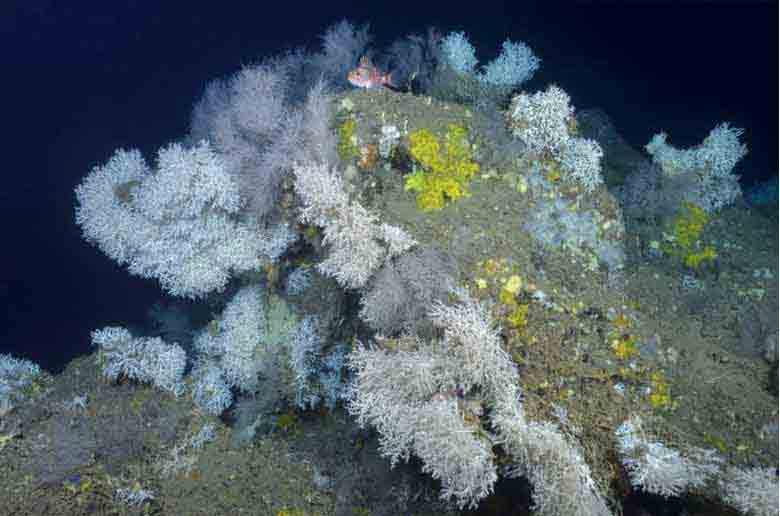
(178, 223)
(358, 243)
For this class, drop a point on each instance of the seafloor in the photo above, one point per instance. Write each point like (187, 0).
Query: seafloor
(600, 346)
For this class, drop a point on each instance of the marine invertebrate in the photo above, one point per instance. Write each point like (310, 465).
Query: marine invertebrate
(447, 167)
(683, 241)
(708, 167)
(348, 143)
(357, 241)
(178, 223)
(425, 398)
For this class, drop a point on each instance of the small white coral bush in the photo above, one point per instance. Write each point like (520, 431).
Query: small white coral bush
(581, 162)
(260, 336)
(237, 338)
(541, 120)
(358, 243)
(16, 374)
(514, 65)
(659, 469)
(544, 122)
(751, 491)
(143, 359)
(709, 166)
(210, 389)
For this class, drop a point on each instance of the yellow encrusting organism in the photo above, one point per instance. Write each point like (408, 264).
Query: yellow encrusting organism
(347, 145)
(447, 167)
(683, 242)
(660, 393)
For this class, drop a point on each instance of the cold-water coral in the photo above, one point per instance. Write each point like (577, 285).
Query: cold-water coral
(656, 468)
(410, 390)
(239, 338)
(515, 64)
(358, 243)
(751, 491)
(459, 79)
(16, 376)
(147, 360)
(401, 293)
(305, 344)
(134, 496)
(178, 224)
(581, 163)
(260, 126)
(453, 399)
(708, 166)
(210, 390)
(545, 123)
(458, 52)
(413, 59)
(542, 121)
(343, 44)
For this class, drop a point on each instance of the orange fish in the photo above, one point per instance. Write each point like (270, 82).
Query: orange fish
(366, 75)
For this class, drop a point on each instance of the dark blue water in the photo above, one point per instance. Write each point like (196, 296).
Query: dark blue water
(83, 78)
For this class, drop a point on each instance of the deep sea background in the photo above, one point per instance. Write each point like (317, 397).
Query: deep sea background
(82, 78)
